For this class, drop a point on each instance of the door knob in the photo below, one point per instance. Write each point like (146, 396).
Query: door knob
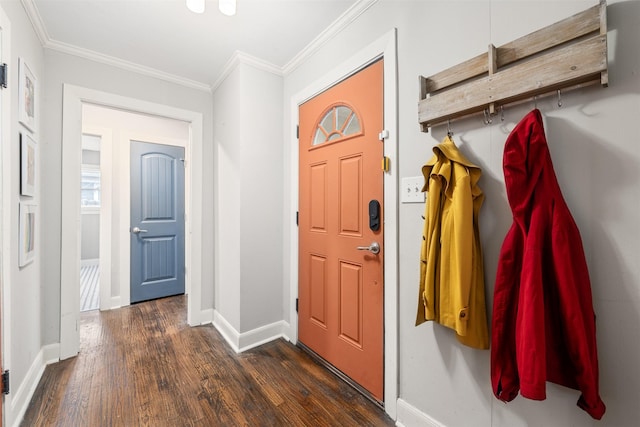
(137, 230)
(373, 248)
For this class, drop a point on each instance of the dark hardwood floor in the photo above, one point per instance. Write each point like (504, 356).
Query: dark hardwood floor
(144, 366)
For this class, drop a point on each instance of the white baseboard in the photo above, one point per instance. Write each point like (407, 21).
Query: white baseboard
(115, 303)
(410, 416)
(51, 353)
(206, 316)
(240, 342)
(263, 335)
(16, 403)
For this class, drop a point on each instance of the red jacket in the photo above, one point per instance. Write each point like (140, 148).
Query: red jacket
(543, 326)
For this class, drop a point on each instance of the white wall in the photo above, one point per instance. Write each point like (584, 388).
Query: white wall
(262, 193)
(248, 136)
(62, 68)
(227, 125)
(593, 141)
(22, 329)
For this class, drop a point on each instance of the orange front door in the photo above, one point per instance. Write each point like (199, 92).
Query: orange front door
(340, 286)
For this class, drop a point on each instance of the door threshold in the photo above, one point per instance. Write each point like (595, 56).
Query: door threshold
(320, 360)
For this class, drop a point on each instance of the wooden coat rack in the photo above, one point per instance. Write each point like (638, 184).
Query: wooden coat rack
(567, 55)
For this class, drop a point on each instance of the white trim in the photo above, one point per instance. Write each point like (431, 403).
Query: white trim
(262, 335)
(385, 47)
(206, 316)
(240, 342)
(48, 43)
(238, 58)
(90, 210)
(36, 21)
(73, 98)
(50, 354)
(89, 262)
(6, 230)
(410, 416)
(114, 303)
(18, 401)
(343, 21)
(126, 65)
(228, 332)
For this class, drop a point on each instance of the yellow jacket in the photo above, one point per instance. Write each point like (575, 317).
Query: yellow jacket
(451, 267)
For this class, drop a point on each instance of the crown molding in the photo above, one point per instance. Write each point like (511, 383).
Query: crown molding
(126, 65)
(238, 58)
(36, 21)
(350, 15)
(48, 43)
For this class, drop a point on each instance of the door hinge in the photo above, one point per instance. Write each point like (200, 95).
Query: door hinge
(297, 131)
(5, 382)
(383, 135)
(296, 305)
(297, 218)
(3, 75)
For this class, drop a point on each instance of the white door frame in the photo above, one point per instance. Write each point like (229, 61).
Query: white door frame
(73, 98)
(384, 47)
(6, 160)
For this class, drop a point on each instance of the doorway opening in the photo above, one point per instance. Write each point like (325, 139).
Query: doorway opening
(90, 192)
(105, 197)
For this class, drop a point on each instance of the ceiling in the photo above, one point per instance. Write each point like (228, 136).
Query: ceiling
(163, 38)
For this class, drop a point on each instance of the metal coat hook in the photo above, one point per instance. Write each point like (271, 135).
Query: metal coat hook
(502, 113)
(559, 99)
(449, 131)
(487, 116)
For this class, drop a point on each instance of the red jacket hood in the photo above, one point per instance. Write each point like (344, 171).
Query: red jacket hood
(526, 159)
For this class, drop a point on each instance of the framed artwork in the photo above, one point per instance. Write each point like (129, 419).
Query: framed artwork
(28, 155)
(27, 96)
(27, 233)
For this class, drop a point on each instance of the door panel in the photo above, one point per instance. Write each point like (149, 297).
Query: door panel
(350, 209)
(340, 288)
(157, 221)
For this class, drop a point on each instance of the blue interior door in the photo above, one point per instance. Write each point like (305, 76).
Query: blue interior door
(157, 221)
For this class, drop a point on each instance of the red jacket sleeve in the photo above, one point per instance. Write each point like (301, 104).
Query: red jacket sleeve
(504, 370)
(574, 291)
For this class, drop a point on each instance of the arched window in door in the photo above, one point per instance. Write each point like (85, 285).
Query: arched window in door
(339, 122)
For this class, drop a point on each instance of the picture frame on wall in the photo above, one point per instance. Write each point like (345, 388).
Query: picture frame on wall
(26, 96)
(28, 156)
(27, 235)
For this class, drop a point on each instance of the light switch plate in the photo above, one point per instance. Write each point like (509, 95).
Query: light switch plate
(411, 190)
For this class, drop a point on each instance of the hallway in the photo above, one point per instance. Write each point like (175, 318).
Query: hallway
(143, 365)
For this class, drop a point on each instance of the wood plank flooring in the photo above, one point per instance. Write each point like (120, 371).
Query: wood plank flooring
(144, 366)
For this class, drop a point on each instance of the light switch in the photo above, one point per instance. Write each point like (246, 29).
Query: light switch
(411, 190)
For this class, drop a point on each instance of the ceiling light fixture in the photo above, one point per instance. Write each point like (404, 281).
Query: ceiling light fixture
(196, 6)
(227, 7)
